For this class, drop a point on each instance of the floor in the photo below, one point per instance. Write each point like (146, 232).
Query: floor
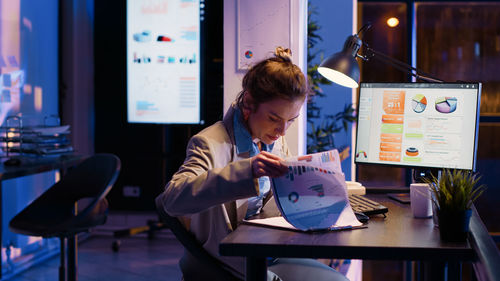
(138, 258)
(141, 259)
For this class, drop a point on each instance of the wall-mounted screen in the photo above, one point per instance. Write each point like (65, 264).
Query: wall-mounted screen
(429, 125)
(163, 61)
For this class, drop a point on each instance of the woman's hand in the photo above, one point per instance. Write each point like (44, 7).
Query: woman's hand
(268, 164)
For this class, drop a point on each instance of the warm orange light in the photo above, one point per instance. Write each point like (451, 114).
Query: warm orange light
(38, 99)
(392, 22)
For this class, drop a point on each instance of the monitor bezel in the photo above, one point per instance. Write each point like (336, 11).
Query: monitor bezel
(478, 104)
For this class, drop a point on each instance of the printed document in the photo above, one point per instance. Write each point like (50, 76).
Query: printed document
(313, 194)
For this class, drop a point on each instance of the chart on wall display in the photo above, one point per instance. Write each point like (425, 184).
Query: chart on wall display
(163, 61)
(418, 124)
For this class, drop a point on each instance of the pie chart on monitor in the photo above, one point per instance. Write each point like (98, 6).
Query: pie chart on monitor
(446, 104)
(418, 103)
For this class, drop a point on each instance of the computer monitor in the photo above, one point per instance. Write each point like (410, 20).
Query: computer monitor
(418, 125)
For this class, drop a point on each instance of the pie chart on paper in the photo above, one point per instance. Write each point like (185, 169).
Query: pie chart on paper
(418, 103)
(446, 104)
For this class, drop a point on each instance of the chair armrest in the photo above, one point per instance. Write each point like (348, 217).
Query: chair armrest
(194, 247)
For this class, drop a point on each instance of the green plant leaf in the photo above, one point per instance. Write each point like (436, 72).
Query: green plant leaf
(455, 190)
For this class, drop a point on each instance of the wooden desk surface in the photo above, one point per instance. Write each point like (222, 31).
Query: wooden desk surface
(399, 236)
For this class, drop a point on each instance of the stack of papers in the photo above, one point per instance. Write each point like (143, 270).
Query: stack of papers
(355, 188)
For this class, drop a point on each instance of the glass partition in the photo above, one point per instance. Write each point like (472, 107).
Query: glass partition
(389, 38)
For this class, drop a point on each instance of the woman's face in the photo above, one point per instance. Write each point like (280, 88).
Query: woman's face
(271, 119)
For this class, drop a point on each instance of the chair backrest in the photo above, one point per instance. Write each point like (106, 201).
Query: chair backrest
(88, 183)
(52, 213)
(194, 247)
(93, 177)
(93, 180)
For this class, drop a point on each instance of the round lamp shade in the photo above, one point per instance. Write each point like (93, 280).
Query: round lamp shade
(341, 68)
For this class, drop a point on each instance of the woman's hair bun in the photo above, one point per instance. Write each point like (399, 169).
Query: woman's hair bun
(284, 54)
(275, 77)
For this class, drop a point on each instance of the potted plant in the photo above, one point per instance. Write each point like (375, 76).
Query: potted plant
(452, 195)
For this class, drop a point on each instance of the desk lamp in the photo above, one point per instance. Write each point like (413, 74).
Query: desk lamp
(343, 69)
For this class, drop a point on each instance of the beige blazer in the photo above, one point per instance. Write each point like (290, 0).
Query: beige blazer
(211, 188)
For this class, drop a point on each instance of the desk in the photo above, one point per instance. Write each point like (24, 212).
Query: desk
(397, 237)
(30, 166)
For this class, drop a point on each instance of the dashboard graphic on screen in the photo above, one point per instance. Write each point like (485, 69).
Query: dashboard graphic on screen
(163, 61)
(430, 125)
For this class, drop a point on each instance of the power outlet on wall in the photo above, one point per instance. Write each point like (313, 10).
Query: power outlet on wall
(131, 191)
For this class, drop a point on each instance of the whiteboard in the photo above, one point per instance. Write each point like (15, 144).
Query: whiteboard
(262, 26)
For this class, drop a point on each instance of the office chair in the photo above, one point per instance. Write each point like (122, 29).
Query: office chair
(205, 261)
(151, 227)
(72, 205)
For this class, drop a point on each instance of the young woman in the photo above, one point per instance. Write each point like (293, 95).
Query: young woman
(225, 176)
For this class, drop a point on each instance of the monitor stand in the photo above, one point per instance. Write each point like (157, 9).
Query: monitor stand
(420, 175)
(400, 197)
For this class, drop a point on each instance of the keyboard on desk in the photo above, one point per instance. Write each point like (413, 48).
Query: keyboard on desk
(361, 204)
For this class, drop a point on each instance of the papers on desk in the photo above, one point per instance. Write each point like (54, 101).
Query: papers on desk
(281, 223)
(36, 140)
(50, 130)
(313, 195)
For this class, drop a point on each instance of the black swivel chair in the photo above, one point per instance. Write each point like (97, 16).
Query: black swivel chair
(53, 213)
(205, 261)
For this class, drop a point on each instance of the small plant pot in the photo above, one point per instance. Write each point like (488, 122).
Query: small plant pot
(435, 211)
(454, 226)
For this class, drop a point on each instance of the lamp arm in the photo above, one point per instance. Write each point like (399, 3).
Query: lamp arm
(371, 53)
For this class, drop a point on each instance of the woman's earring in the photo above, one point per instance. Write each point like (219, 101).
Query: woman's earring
(246, 114)
(247, 99)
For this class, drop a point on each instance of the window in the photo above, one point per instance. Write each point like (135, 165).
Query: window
(452, 41)
(393, 42)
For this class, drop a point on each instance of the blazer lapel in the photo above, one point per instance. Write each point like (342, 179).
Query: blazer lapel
(232, 214)
(236, 210)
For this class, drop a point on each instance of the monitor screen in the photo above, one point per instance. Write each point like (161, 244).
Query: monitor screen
(426, 125)
(163, 61)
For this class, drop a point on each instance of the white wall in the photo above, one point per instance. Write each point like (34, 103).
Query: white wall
(296, 134)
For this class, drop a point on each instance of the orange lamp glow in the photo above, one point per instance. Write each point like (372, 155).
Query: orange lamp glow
(392, 22)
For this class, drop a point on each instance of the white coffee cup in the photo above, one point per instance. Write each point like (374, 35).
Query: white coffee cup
(420, 200)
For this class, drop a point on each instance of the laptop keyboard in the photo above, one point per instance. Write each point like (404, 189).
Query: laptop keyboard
(361, 204)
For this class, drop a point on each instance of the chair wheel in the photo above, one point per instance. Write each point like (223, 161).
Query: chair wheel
(115, 246)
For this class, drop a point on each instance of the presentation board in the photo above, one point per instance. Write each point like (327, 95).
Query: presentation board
(163, 61)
